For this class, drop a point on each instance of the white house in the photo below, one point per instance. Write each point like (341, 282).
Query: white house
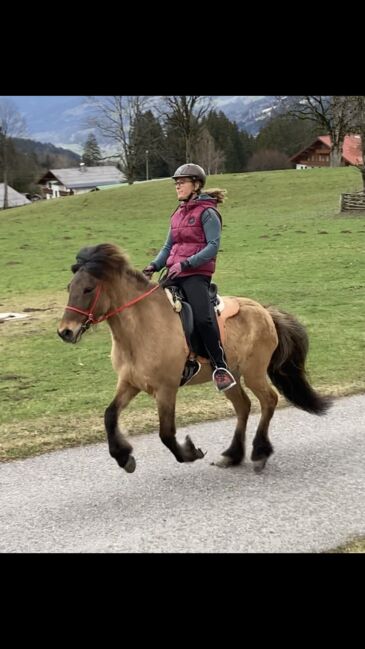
(78, 180)
(14, 198)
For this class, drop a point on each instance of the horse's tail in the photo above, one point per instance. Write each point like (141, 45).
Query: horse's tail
(287, 366)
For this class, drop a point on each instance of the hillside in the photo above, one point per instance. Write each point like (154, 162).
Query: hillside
(47, 152)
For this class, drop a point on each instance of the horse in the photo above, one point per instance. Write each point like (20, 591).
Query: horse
(149, 352)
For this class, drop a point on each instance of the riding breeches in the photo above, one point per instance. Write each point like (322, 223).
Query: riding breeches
(196, 289)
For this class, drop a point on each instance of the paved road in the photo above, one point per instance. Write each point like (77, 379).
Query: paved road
(310, 497)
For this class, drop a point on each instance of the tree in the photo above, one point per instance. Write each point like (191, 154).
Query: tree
(207, 154)
(235, 145)
(185, 113)
(287, 134)
(268, 160)
(149, 146)
(12, 124)
(91, 155)
(115, 119)
(332, 113)
(174, 147)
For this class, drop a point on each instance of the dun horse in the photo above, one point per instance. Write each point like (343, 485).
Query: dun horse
(149, 353)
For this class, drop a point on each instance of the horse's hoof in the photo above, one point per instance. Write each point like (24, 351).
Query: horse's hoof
(223, 463)
(259, 465)
(130, 464)
(192, 452)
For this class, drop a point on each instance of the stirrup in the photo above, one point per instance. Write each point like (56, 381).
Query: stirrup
(228, 380)
(192, 367)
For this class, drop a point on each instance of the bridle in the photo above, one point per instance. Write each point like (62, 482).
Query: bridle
(90, 313)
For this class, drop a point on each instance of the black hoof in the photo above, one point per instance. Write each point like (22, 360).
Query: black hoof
(192, 453)
(130, 465)
(261, 451)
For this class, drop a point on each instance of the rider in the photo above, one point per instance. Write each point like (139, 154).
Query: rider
(189, 254)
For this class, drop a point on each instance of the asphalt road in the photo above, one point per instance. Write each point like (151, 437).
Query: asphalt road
(310, 497)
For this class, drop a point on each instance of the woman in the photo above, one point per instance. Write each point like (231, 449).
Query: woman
(190, 253)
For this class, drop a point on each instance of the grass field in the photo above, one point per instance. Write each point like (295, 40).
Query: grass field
(284, 242)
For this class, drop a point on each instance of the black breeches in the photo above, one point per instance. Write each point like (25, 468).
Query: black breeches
(196, 289)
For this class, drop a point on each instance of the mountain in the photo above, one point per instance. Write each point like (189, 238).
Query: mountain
(61, 120)
(248, 112)
(46, 153)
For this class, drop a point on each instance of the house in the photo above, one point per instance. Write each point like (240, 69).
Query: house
(14, 198)
(317, 154)
(78, 180)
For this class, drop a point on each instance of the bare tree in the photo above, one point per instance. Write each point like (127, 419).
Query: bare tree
(115, 118)
(12, 124)
(186, 113)
(268, 160)
(207, 155)
(333, 113)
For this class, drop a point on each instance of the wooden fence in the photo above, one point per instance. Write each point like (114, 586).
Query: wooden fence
(352, 202)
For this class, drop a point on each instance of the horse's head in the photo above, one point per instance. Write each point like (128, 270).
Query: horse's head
(88, 295)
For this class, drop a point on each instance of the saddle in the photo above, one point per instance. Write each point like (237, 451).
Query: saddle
(195, 348)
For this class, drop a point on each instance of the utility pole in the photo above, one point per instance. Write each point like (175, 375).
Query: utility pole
(147, 164)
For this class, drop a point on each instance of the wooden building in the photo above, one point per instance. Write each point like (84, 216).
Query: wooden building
(317, 154)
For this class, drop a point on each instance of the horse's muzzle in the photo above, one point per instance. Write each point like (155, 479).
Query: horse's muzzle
(67, 335)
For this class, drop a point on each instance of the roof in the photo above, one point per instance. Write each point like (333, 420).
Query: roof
(107, 186)
(14, 198)
(77, 177)
(351, 150)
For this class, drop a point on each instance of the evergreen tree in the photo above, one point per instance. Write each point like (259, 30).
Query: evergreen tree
(149, 147)
(91, 155)
(287, 135)
(174, 147)
(235, 145)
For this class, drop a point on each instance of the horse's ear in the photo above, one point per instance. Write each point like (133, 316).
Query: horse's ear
(75, 267)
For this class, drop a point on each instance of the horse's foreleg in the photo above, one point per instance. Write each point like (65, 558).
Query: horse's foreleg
(262, 447)
(119, 448)
(186, 452)
(236, 451)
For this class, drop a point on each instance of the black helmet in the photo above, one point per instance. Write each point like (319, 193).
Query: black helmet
(192, 171)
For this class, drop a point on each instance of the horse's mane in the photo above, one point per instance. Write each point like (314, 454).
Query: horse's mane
(105, 261)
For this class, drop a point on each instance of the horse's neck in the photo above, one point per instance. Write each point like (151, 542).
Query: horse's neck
(134, 318)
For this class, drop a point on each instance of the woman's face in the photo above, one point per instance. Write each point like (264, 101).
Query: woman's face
(184, 187)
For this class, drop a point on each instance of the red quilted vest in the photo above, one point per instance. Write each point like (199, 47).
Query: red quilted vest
(188, 236)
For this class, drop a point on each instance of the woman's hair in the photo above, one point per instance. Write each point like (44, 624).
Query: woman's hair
(218, 194)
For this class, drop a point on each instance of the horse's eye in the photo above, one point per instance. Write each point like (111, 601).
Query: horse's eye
(88, 290)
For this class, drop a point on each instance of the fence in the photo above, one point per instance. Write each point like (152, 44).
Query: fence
(354, 201)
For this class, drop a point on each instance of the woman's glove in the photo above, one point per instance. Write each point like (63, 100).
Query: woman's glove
(149, 270)
(175, 270)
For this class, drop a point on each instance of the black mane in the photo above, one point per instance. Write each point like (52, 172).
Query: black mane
(104, 261)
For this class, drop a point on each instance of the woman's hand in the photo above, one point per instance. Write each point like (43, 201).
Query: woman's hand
(149, 270)
(174, 270)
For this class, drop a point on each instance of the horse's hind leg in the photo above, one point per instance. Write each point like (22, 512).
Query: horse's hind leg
(187, 452)
(268, 398)
(119, 448)
(236, 451)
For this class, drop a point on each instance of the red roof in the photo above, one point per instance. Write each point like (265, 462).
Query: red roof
(351, 151)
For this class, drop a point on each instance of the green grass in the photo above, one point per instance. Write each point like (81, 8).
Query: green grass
(356, 546)
(283, 242)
